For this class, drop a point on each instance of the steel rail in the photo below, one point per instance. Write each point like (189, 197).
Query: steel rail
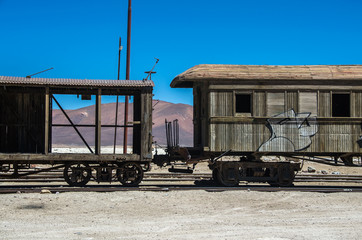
(163, 188)
(168, 174)
(177, 177)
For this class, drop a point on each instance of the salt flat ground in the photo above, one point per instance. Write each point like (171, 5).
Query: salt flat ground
(181, 215)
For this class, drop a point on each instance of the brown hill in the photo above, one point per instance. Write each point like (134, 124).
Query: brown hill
(66, 136)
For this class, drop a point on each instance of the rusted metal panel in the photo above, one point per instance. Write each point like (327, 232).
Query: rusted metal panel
(5, 80)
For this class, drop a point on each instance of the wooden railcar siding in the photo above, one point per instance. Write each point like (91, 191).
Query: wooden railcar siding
(221, 104)
(291, 100)
(334, 136)
(21, 122)
(275, 103)
(324, 104)
(201, 114)
(231, 136)
(259, 104)
(275, 89)
(357, 132)
(244, 137)
(356, 104)
(308, 102)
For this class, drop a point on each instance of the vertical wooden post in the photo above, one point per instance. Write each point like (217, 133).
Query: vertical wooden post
(146, 125)
(46, 126)
(98, 122)
(330, 104)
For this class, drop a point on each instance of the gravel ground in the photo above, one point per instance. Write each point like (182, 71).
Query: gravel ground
(184, 214)
(181, 215)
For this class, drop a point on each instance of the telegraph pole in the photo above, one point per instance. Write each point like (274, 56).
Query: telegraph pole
(127, 74)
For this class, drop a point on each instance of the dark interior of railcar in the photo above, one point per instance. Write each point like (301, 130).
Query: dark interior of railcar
(22, 119)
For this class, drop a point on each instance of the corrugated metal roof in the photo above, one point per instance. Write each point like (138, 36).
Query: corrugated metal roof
(74, 82)
(267, 72)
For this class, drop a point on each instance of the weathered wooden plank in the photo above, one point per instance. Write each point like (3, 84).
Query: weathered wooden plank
(310, 74)
(275, 103)
(221, 104)
(308, 102)
(46, 122)
(324, 104)
(98, 122)
(56, 157)
(146, 126)
(286, 86)
(356, 104)
(334, 137)
(259, 104)
(291, 100)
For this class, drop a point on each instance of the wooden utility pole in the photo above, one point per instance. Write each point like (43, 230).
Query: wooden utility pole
(127, 74)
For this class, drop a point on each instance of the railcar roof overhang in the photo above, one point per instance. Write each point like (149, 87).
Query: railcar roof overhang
(74, 83)
(270, 74)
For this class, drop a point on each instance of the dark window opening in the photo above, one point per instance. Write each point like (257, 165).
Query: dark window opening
(340, 105)
(243, 103)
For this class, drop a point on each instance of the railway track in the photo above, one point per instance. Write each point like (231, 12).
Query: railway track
(175, 182)
(57, 176)
(166, 188)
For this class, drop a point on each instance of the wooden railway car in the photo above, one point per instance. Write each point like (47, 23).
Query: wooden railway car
(26, 128)
(256, 111)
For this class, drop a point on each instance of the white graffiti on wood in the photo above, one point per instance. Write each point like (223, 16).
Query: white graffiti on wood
(290, 132)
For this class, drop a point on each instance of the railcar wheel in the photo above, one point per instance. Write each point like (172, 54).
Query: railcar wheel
(348, 161)
(77, 174)
(146, 167)
(225, 181)
(285, 176)
(215, 173)
(130, 174)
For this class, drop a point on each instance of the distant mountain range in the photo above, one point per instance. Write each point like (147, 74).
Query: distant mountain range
(67, 136)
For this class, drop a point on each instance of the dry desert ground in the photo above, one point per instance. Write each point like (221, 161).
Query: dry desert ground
(194, 214)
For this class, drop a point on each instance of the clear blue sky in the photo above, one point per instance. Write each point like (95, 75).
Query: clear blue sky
(79, 38)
